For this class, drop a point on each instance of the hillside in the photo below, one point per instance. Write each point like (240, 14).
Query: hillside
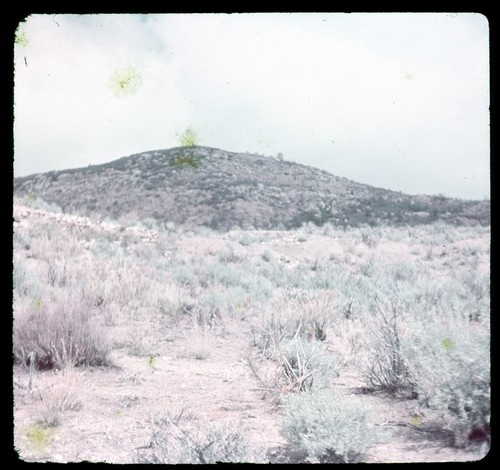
(202, 186)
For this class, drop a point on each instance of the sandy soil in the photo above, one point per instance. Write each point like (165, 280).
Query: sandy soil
(119, 403)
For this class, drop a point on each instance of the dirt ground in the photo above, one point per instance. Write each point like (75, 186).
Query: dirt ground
(119, 403)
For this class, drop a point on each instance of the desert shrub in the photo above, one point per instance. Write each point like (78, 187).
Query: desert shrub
(59, 333)
(258, 287)
(181, 438)
(401, 271)
(387, 368)
(476, 293)
(304, 364)
(19, 279)
(245, 240)
(56, 398)
(227, 275)
(104, 247)
(326, 428)
(185, 161)
(370, 237)
(357, 292)
(25, 282)
(451, 363)
(38, 203)
(290, 311)
(228, 255)
(226, 300)
(200, 342)
(267, 256)
(185, 276)
(276, 273)
(294, 364)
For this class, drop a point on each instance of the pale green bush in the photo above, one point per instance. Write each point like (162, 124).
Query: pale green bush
(245, 240)
(451, 366)
(387, 366)
(38, 203)
(184, 275)
(305, 364)
(291, 310)
(326, 428)
(295, 364)
(184, 440)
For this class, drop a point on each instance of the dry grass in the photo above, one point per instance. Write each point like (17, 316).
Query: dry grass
(58, 334)
(200, 342)
(57, 395)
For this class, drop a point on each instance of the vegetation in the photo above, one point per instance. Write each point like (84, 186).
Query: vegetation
(181, 439)
(58, 334)
(328, 429)
(186, 161)
(232, 189)
(406, 310)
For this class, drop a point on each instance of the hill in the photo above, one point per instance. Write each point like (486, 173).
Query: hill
(202, 186)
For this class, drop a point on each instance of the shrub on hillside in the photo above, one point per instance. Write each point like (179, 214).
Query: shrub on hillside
(58, 334)
(326, 428)
(185, 161)
(38, 203)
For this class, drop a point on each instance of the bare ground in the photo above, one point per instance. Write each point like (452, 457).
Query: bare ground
(120, 402)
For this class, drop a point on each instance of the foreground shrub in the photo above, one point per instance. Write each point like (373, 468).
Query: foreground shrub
(328, 429)
(294, 364)
(452, 369)
(183, 439)
(58, 334)
(304, 364)
(387, 368)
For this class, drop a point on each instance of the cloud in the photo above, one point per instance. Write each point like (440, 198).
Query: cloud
(393, 100)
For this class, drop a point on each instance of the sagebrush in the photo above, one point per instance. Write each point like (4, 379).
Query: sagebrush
(182, 439)
(327, 428)
(59, 333)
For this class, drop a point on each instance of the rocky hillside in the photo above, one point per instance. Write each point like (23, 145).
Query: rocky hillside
(202, 186)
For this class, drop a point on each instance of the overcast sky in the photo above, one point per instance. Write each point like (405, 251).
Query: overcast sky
(399, 101)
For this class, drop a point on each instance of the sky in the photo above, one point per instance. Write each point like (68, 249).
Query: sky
(394, 100)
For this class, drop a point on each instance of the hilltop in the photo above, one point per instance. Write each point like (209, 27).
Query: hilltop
(203, 186)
